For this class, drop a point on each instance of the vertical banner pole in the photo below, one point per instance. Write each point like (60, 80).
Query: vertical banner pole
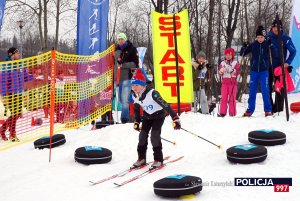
(176, 60)
(52, 97)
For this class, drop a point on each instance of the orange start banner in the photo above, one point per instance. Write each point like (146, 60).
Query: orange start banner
(164, 56)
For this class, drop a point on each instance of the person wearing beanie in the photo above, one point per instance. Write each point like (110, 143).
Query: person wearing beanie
(13, 54)
(154, 113)
(199, 69)
(14, 76)
(228, 70)
(127, 61)
(259, 72)
(122, 36)
(289, 53)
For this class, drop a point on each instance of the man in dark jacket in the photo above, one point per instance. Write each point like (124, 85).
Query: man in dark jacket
(127, 61)
(13, 76)
(288, 46)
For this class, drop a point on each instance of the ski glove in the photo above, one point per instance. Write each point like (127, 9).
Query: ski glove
(290, 69)
(176, 123)
(137, 126)
(245, 44)
(208, 66)
(200, 67)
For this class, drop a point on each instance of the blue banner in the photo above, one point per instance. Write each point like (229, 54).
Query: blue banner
(92, 22)
(2, 6)
(295, 33)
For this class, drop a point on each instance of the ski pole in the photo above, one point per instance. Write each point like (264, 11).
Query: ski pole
(219, 146)
(174, 143)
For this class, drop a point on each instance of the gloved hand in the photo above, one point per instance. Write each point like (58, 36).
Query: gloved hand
(176, 123)
(229, 69)
(276, 78)
(245, 44)
(119, 61)
(200, 67)
(137, 126)
(208, 66)
(269, 42)
(290, 69)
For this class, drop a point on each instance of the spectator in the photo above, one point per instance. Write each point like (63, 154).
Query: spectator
(258, 71)
(127, 61)
(12, 83)
(288, 46)
(200, 68)
(229, 70)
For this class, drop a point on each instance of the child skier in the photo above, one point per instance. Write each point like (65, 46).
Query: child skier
(229, 70)
(154, 107)
(199, 71)
(258, 72)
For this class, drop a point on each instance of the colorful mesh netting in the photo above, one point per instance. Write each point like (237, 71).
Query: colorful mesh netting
(82, 91)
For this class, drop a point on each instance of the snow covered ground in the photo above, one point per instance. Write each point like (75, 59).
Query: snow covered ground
(26, 174)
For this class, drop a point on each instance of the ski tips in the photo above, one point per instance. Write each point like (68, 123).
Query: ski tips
(92, 183)
(117, 185)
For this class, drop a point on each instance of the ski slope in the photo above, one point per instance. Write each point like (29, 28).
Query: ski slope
(27, 175)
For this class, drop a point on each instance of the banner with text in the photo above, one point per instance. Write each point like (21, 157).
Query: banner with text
(164, 60)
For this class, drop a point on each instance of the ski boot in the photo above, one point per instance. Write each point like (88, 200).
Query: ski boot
(221, 115)
(156, 164)
(268, 114)
(14, 139)
(139, 163)
(247, 114)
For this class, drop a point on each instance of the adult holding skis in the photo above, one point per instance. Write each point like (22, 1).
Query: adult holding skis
(259, 66)
(287, 46)
(127, 61)
(154, 107)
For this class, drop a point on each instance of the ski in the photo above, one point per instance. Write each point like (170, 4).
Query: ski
(123, 173)
(273, 115)
(147, 172)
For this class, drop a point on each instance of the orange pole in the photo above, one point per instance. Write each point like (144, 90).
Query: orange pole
(52, 97)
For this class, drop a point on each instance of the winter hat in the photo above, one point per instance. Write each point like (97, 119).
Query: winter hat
(11, 51)
(201, 54)
(229, 51)
(122, 36)
(138, 78)
(274, 23)
(260, 31)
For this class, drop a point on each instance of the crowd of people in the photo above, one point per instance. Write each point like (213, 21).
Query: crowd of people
(132, 86)
(265, 71)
